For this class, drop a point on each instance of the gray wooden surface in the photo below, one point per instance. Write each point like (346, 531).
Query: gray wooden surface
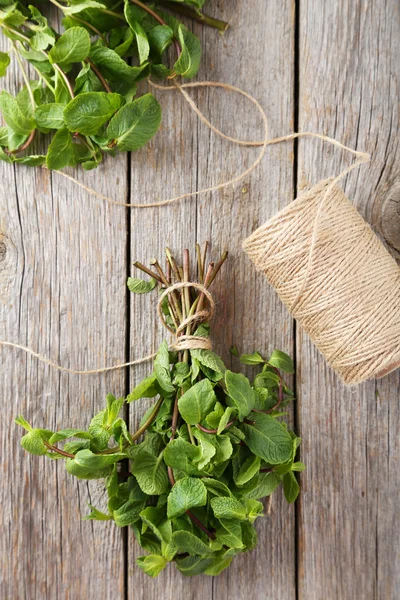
(328, 67)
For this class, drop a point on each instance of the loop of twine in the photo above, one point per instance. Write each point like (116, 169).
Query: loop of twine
(181, 342)
(184, 341)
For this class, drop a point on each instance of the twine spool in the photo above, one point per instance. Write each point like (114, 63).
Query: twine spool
(337, 280)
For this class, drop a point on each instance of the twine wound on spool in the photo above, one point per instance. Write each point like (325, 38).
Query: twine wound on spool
(336, 278)
(181, 341)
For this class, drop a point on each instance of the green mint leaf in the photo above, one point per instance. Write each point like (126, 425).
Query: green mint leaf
(281, 361)
(114, 68)
(197, 402)
(252, 359)
(140, 286)
(291, 488)
(162, 369)
(128, 513)
(267, 379)
(188, 63)
(226, 417)
(94, 462)
(228, 508)
(210, 360)
(216, 487)
(21, 421)
(33, 442)
(143, 46)
(50, 116)
(240, 393)
(14, 116)
(135, 124)
(160, 38)
(60, 153)
(4, 62)
(229, 533)
(151, 473)
(96, 515)
(186, 493)
(190, 543)
(268, 439)
(254, 509)
(182, 455)
(64, 434)
(298, 466)
(88, 112)
(152, 564)
(245, 466)
(156, 520)
(77, 6)
(114, 406)
(193, 565)
(71, 47)
(145, 389)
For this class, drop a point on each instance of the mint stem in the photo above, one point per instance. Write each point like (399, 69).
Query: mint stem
(192, 14)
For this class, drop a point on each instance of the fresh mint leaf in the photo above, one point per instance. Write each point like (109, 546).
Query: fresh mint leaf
(252, 359)
(281, 361)
(97, 515)
(268, 439)
(240, 393)
(291, 488)
(140, 286)
(186, 493)
(151, 473)
(152, 564)
(193, 545)
(14, 116)
(188, 62)
(72, 46)
(89, 111)
(135, 124)
(4, 62)
(197, 402)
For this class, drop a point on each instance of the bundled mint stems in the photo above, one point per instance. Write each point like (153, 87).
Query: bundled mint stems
(211, 447)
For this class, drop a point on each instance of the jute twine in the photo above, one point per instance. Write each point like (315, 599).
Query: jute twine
(180, 341)
(344, 294)
(347, 296)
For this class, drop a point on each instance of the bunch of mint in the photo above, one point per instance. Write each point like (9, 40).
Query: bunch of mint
(212, 446)
(84, 97)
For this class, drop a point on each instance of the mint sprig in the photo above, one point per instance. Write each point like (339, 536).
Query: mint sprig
(84, 102)
(209, 450)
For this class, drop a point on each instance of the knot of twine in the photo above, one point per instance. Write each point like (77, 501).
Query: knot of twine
(182, 341)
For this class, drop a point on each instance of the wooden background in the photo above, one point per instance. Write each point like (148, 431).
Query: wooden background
(326, 67)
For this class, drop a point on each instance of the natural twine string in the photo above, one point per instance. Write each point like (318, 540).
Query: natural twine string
(361, 156)
(180, 343)
(288, 250)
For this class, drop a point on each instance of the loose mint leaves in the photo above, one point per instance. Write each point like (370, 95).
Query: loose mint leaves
(88, 74)
(135, 124)
(88, 112)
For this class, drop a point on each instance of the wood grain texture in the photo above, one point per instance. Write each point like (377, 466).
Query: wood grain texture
(348, 522)
(186, 156)
(62, 291)
(64, 259)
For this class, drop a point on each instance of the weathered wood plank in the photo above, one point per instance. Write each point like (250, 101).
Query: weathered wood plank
(186, 156)
(62, 278)
(349, 521)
